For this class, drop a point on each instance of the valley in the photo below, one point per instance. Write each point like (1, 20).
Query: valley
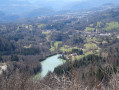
(87, 41)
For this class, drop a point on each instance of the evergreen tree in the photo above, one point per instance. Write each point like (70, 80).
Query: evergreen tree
(14, 58)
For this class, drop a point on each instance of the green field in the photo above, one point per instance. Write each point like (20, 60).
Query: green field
(41, 25)
(89, 29)
(112, 25)
(90, 46)
(55, 46)
(78, 57)
(66, 48)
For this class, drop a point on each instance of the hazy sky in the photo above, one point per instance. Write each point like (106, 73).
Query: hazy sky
(61, 3)
(36, 3)
(27, 5)
(45, 2)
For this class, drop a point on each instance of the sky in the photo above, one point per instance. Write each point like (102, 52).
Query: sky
(34, 2)
(43, 2)
(28, 5)
(16, 5)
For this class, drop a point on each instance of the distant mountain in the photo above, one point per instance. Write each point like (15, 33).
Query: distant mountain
(40, 12)
(2, 14)
(4, 17)
(90, 4)
(10, 17)
(14, 9)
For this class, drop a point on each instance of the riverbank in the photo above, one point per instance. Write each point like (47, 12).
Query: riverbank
(50, 56)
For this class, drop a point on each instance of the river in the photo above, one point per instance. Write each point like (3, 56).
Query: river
(49, 64)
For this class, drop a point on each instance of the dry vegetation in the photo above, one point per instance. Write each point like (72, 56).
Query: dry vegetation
(20, 81)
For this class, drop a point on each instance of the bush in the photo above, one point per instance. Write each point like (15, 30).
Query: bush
(1, 59)
(14, 58)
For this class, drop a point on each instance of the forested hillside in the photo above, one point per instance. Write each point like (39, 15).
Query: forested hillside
(88, 42)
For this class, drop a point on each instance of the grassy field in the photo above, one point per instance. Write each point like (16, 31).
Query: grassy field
(55, 46)
(94, 39)
(98, 24)
(89, 29)
(111, 26)
(52, 49)
(66, 48)
(90, 46)
(78, 57)
(41, 25)
(91, 25)
(46, 32)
